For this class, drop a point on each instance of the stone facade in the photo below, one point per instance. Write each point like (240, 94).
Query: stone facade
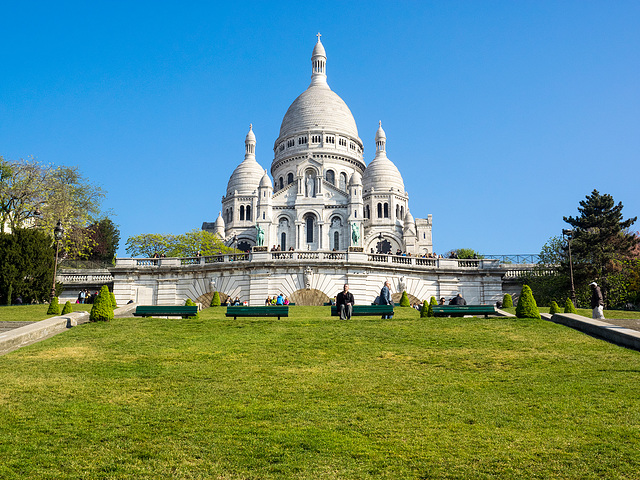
(306, 277)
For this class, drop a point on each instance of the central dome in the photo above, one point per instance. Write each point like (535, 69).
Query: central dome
(318, 107)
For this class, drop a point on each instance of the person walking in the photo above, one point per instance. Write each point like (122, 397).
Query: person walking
(597, 302)
(345, 302)
(385, 297)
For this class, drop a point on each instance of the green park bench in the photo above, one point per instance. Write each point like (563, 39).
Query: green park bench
(462, 310)
(365, 310)
(270, 311)
(165, 311)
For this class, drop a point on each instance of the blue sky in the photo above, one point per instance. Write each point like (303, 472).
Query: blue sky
(501, 116)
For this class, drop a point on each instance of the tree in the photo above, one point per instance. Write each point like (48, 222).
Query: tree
(102, 310)
(404, 300)
(600, 240)
(191, 303)
(215, 301)
(527, 307)
(424, 310)
(184, 245)
(463, 253)
(26, 264)
(507, 301)
(37, 195)
(553, 252)
(105, 238)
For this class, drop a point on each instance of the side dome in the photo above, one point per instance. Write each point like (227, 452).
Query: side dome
(381, 174)
(355, 180)
(246, 177)
(266, 181)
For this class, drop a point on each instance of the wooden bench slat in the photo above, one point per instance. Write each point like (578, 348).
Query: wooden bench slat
(365, 310)
(461, 310)
(270, 311)
(165, 310)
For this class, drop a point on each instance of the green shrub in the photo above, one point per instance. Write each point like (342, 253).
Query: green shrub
(102, 310)
(215, 301)
(9, 293)
(424, 310)
(507, 301)
(569, 307)
(190, 303)
(404, 300)
(67, 308)
(54, 307)
(554, 308)
(527, 307)
(114, 304)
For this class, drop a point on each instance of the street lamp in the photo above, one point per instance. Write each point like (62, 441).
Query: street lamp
(58, 232)
(569, 235)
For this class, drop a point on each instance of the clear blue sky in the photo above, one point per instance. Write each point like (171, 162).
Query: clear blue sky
(501, 116)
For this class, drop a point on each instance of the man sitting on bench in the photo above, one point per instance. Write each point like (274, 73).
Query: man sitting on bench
(345, 303)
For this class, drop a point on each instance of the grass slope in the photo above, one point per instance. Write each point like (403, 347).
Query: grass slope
(313, 397)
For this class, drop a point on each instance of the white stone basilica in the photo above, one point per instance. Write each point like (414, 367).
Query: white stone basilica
(323, 196)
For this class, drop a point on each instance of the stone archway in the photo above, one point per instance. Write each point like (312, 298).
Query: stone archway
(412, 299)
(310, 297)
(205, 299)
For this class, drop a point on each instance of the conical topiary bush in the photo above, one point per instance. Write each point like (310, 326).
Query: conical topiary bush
(507, 301)
(569, 307)
(54, 307)
(67, 308)
(404, 300)
(215, 301)
(424, 310)
(102, 310)
(554, 308)
(527, 307)
(190, 303)
(114, 304)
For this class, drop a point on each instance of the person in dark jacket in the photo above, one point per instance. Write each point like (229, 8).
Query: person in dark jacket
(345, 303)
(457, 300)
(385, 297)
(597, 302)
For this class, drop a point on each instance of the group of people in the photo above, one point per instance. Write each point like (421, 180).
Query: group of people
(278, 249)
(85, 296)
(276, 300)
(345, 300)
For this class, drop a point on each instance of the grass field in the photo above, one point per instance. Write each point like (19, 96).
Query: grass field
(313, 397)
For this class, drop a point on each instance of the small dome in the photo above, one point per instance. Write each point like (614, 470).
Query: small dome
(219, 221)
(356, 179)
(408, 218)
(318, 50)
(381, 174)
(266, 181)
(246, 177)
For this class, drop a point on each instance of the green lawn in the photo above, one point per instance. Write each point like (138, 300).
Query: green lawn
(32, 313)
(313, 397)
(609, 314)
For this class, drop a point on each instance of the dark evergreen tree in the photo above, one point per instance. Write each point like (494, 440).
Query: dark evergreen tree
(600, 240)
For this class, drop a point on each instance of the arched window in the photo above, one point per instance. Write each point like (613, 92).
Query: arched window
(386, 210)
(343, 181)
(379, 210)
(397, 211)
(283, 241)
(309, 229)
(336, 241)
(367, 212)
(331, 177)
(241, 212)
(281, 181)
(231, 214)
(289, 178)
(248, 212)
(401, 213)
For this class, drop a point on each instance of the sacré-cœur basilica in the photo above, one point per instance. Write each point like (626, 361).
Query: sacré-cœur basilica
(327, 218)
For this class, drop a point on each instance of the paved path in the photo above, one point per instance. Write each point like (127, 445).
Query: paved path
(6, 326)
(633, 324)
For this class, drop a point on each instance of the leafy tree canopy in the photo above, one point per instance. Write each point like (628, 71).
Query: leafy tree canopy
(184, 245)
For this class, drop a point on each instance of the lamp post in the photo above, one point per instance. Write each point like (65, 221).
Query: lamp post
(569, 235)
(58, 232)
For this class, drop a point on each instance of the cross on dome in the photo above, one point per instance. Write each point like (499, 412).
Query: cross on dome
(318, 35)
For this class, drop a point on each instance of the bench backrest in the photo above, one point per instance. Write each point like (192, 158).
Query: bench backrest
(166, 310)
(272, 310)
(366, 309)
(480, 309)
